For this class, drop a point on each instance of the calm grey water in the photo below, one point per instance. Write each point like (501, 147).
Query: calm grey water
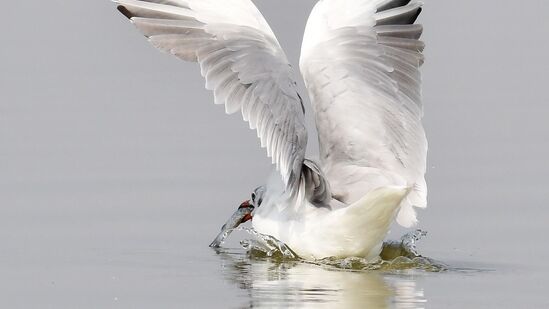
(116, 170)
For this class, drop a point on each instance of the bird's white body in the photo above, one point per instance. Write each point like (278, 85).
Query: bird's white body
(340, 231)
(360, 62)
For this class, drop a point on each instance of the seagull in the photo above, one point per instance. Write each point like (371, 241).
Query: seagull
(360, 62)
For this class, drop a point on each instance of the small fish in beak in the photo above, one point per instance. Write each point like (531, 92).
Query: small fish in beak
(241, 215)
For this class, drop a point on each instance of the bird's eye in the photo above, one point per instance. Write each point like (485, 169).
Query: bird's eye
(253, 197)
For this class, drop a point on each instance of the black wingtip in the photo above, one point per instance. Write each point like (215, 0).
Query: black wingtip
(407, 18)
(414, 18)
(392, 4)
(122, 9)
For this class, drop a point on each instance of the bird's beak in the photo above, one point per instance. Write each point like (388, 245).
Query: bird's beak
(241, 215)
(246, 208)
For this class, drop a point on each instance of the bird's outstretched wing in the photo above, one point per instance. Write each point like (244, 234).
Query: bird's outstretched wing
(360, 61)
(242, 63)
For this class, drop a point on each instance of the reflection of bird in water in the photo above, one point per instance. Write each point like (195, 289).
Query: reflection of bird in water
(295, 284)
(360, 61)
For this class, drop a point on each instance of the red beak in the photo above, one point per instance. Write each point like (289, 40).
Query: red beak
(248, 216)
(241, 215)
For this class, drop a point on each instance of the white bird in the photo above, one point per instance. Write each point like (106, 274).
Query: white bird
(360, 62)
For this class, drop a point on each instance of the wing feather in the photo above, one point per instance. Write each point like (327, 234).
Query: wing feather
(360, 61)
(242, 62)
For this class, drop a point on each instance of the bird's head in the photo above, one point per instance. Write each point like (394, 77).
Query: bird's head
(247, 207)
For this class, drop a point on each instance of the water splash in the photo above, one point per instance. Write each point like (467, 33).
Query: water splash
(268, 245)
(406, 247)
(234, 221)
(396, 255)
(409, 240)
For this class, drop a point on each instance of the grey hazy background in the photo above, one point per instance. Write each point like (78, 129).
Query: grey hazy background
(116, 169)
